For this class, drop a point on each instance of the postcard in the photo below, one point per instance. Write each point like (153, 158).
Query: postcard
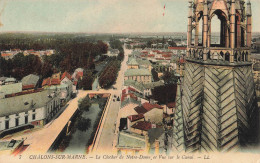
(129, 81)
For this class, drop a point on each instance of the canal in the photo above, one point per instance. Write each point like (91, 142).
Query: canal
(80, 138)
(83, 129)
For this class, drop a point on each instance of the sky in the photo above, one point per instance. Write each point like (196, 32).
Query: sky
(99, 16)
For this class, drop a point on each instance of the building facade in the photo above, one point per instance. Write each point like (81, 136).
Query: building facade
(30, 109)
(218, 102)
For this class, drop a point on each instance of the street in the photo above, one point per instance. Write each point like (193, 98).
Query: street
(106, 140)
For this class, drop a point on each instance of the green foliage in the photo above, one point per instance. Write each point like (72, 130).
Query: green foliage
(117, 44)
(165, 94)
(169, 77)
(155, 75)
(109, 75)
(84, 104)
(20, 66)
(83, 124)
(71, 52)
(87, 81)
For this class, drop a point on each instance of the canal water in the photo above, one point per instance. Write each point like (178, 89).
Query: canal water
(79, 140)
(95, 84)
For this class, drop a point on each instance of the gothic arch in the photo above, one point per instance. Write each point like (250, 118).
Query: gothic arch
(224, 30)
(227, 56)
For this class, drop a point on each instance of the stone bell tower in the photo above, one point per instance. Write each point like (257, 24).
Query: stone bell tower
(216, 102)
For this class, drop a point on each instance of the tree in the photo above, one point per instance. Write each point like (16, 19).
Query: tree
(83, 124)
(87, 81)
(169, 77)
(155, 75)
(165, 94)
(84, 104)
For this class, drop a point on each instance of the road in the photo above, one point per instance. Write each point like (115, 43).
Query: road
(108, 134)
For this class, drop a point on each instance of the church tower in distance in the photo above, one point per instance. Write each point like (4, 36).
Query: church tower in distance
(216, 107)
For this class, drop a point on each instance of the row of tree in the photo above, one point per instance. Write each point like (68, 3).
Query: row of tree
(21, 66)
(109, 75)
(69, 57)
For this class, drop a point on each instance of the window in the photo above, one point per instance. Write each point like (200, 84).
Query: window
(33, 117)
(17, 122)
(6, 124)
(26, 120)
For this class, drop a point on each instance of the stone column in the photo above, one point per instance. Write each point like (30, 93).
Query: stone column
(197, 31)
(189, 30)
(239, 31)
(209, 33)
(226, 36)
(205, 29)
(248, 25)
(232, 30)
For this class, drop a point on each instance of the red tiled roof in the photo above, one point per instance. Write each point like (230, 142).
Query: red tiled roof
(50, 82)
(146, 107)
(140, 110)
(151, 55)
(5, 54)
(75, 82)
(177, 48)
(166, 55)
(149, 106)
(28, 87)
(24, 93)
(66, 74)
(142, 125)
(55, 81)
(133, 118)
(132, 89)
(171, 105)
(79, 75)
(46, 81)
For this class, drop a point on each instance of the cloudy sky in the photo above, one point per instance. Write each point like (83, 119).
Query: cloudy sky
(102, 16)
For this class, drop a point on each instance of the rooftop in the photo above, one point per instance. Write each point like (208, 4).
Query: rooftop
(9, 145)
(146, 107)
(130, 140)
(134, 84)
(65, 74)
(138, 72)
(143, 62)
(10, 80)
(3, 78)
(142, 125)
(153, 84)
(30, 79)
(11, 88)
(133, 118)
(132, 61)
(24, 103)
(177, 48)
